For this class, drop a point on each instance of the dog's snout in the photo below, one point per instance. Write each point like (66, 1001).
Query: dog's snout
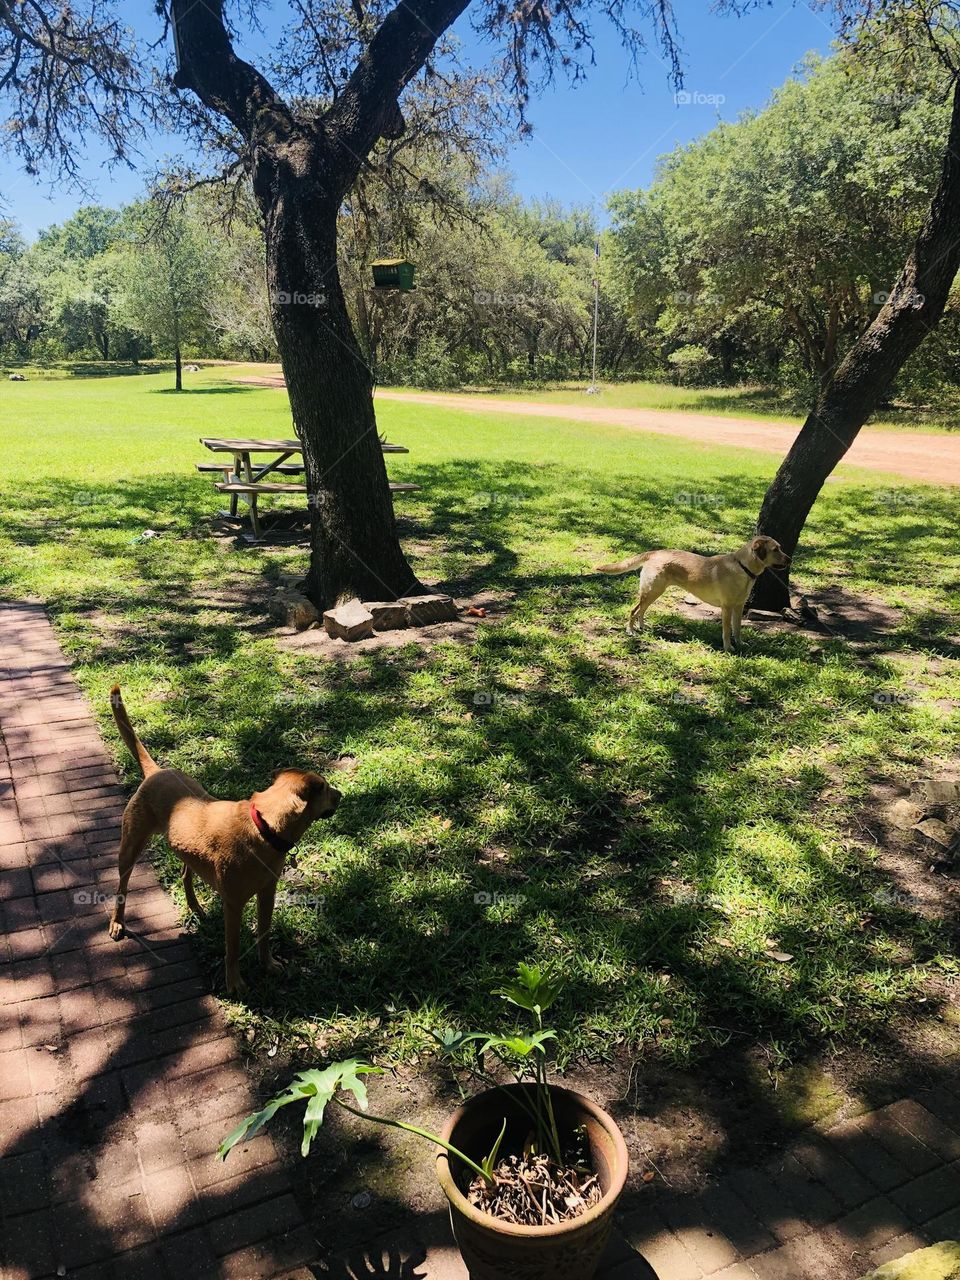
(334, 796)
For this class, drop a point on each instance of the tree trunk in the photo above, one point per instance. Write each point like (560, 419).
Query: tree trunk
(178, 365)
(302, 168)
(726, 359)
(867, 372)
(354, 546)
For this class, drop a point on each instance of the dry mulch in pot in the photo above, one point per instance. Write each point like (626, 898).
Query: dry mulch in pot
(533, 1191)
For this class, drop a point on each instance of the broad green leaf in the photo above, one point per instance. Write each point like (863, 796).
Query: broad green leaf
(254, 1123)
(452, 1040)
(521, 1045)
(531, 989)
(316, 1088)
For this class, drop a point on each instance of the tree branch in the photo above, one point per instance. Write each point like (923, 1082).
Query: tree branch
(207, 64)
(367, 108)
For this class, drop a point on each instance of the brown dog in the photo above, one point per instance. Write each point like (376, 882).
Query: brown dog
(724, 581)
(237, 846)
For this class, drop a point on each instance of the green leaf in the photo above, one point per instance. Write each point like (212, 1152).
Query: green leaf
(488, 1163)
(254, 1123)
(316, 1088)
(531, 989)
(452, 1040)
(520, 1045)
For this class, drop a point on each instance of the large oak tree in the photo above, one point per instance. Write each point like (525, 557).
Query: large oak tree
(302, 134)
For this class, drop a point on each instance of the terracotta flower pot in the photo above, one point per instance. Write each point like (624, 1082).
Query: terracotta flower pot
(497, 1250)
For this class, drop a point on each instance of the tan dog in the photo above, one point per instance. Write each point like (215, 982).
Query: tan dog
(237, 846)
(724, 581)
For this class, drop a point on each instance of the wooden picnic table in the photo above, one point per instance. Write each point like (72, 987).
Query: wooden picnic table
(244, 478)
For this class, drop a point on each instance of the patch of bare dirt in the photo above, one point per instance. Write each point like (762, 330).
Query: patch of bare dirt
(263, 380)
(921, 874)
(864, 622)
(868, 625)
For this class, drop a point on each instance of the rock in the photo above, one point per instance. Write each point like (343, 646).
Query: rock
(350, 621)
(937, 831)
(940, 791)
(423, 610)
(903, 814)
(388, 615)
(343, 764)
(939, 1262)
(294, 609)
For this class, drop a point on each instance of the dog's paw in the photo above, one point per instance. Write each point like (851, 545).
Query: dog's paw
(116, 930)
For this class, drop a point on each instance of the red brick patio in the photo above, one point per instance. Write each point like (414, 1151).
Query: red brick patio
(118, 1076)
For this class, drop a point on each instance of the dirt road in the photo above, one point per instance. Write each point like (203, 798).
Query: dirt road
(927, 456)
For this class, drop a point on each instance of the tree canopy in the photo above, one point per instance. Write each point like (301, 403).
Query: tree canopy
(774, 240)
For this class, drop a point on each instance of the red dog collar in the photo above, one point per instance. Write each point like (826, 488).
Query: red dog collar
(271, 837)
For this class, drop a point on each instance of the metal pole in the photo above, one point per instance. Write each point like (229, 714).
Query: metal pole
(592, 389)
(596, 312)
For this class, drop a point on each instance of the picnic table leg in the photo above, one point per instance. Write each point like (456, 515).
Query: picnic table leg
(234, 497)
(254, 522)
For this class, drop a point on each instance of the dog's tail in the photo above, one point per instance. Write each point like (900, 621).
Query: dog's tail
(134, 745)
(624, 566)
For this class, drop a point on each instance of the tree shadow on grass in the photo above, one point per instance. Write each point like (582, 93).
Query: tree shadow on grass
(623, 809)
(220, 389)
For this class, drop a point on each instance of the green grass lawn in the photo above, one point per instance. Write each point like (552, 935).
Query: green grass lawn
(653, 817)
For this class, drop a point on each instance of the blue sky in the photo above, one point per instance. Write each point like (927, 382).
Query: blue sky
(599, 136)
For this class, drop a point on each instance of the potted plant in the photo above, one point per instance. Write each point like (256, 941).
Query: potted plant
(532, 1171)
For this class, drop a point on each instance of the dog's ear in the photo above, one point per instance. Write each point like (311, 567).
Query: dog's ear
(311, 786)
(760, 548)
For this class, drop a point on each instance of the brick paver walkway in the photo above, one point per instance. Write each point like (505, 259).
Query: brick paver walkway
(834, 1206)
(118, 1076)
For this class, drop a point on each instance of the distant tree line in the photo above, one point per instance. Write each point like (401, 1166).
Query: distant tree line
(764, 249)
(758, 254)
(152, 279)
(503, 291)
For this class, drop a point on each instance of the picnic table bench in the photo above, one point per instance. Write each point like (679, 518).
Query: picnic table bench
(244, 478)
